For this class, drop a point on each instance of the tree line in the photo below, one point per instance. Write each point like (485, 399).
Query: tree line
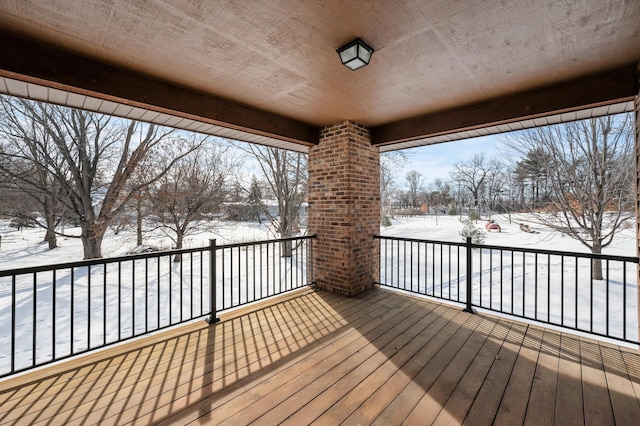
(63, 166)
(576, 178)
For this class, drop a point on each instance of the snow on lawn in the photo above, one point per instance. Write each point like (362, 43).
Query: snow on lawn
(104, 304)
(24, 248)
(78, 308)
(551, 288)
(447, 228)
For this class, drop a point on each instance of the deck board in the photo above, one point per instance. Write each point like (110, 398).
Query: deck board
(313, 357)
(542, 399)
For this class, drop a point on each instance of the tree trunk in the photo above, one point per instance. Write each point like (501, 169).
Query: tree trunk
(286, 248)
(179, 240)
(596, 264)
(50, 238)
(92, 241)
(50, 235)
(139, 221)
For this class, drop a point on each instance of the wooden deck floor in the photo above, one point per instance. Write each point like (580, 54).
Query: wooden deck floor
(380, 358)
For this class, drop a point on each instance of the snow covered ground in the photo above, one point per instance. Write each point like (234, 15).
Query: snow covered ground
(551, 288)
(74, 309)
(447, 228)
(101, 310)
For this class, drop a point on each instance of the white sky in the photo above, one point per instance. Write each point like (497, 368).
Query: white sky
(436, 161)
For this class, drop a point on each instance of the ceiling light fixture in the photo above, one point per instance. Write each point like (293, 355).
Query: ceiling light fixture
(355, 54)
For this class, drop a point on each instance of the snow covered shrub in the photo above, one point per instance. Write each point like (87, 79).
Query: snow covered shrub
(385, 221)
(470, 230)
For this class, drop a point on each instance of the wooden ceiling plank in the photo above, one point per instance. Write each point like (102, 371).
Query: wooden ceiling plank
(37, 63)
(615, 86)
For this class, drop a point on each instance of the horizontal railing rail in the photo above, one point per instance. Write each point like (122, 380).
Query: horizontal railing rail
(548, 286)
(49, 313)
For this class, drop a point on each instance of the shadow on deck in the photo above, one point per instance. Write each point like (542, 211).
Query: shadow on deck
(313, 357)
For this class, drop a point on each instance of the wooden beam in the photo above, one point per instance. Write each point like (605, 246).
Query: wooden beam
(618, 85)
(33, 62)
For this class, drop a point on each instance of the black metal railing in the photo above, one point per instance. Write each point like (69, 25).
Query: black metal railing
(48, 313)
(551, 287)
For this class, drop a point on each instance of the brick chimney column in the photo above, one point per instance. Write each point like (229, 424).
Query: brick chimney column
(344, 209)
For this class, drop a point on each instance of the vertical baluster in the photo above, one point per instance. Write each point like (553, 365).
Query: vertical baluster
(231, 274)
(449, 262)
(481, 274)
(576, 294)
(513, 284)
(562, 290)
(607, 311)
(246, 271)
(501, 281)
(418, 256)
(54, 314)
(191, 302)
(34, 303)
(88, 306)
(267, 269)
(119, 300)
(311, 256)
(181, 286)
(13, 323)
(535, 281)
(239, 276)
(73, 292)
(274, 255)
(441, 282)
(223, 281)
(398, 266)
(458, 271)
(104, 303)
(133, 297)
(202, 282)
(253, 257)
(490, 278)
(524, 285)
(146, 294)
(386, 263)
(549, 288)
(410, 266)
(624, 299)
(433, 269)
(158, 293)
(170, 268)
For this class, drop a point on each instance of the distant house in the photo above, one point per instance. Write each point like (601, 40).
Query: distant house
(241, 212)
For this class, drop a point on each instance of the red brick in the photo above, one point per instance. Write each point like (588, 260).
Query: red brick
(344, 208)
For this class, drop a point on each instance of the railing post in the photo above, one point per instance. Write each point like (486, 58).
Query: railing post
(213, 318)
(468, 308)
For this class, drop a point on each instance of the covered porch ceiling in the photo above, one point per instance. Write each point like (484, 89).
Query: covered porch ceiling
(267, 71)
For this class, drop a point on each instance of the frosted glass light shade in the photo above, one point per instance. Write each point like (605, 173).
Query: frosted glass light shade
(355, 55)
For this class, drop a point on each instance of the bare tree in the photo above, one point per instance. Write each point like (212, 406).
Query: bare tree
(588, 164)
(415, 187)
(25, 151)
(390, 164)
(474, 175)
(192, 187)
(91, 157)
(286, 175)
